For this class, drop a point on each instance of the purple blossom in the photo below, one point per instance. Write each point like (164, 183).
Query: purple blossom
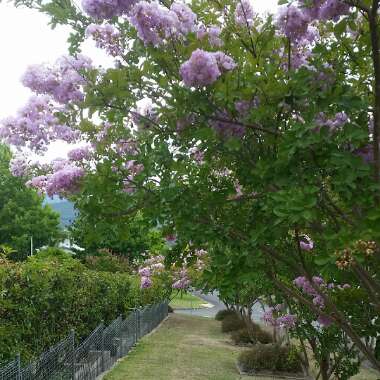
(128, 186)
(154, 23)
(201, 69)
(365, 153)
(214, 36)
(126, 147)
(244, 13)
(324, 9)
(18, 166)
(79, 154)
(324, 321)
(134, 168)
(306, 243)
(287, 321)
(333, 10)
(198, 155)
(284, 321)
(106, 9)
(187, 18)
(158, 267)
(224, 61)
(35, 125)
(292, 22)
(225, 126)
(145, 272)
(106, 37)
(204, 68)
(201, 32)
(243, 107)
(62, 81)
(38, 183)
(64, 180)
(146, 282)
(339, 120)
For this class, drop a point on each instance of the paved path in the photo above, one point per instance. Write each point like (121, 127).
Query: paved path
(213, 299)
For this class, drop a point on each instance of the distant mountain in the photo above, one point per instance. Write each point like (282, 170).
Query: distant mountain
(65, 209)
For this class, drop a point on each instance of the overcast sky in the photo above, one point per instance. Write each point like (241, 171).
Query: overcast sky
(26, 38)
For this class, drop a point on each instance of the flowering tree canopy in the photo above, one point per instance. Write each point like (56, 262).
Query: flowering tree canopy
(260, 134)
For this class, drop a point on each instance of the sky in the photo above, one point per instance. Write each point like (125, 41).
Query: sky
(26, 38)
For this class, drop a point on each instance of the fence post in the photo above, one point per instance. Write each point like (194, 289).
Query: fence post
(119, 334)
(72, 333)
(102, 351)
(18, 366)
(135, 316)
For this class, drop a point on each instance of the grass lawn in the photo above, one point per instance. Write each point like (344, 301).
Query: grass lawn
(187, 301)
(188, 348)
(185, 348)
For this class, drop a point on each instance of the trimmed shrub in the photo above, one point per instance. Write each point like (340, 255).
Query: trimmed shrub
(44, 297)
(232, 323)
(241, 337)
(221, 314)
(270, 357)
(263, 336)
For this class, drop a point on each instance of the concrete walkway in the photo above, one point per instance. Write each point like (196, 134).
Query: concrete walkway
(213, 299)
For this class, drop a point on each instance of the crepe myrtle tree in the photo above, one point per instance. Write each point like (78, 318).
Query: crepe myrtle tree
(222, 125)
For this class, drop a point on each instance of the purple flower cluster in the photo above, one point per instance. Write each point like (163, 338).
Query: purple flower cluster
(155, 23)
(272, 317)
(198, 155)
(79, 154)
(64, 179)
(134, 169)
(18, 166)
(106, 9)
(213, 33)
(62, 81)
(186, 17)
(106, 37)
(204, 68)
(295, 21)
(306, 243)
(307, 287)
(146, 282)
(324, 9)
(244, 14)
(339, 120)
(243, 107)
(292, 22)
(35, 125)
(225, 127)
(128, 147)
(365, 153)
(182, 280)
(151, 266)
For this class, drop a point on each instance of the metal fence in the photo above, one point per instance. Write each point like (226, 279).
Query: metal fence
(96, 354)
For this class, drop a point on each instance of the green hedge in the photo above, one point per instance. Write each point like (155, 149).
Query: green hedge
(49, 294)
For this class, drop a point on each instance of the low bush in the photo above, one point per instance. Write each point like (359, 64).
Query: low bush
(270, 357)
(232, 323)
(105, 261)
(263, 336)
(242, 336)
(221, 314)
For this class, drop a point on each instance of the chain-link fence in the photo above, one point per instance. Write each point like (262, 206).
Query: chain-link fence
(96, 354)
